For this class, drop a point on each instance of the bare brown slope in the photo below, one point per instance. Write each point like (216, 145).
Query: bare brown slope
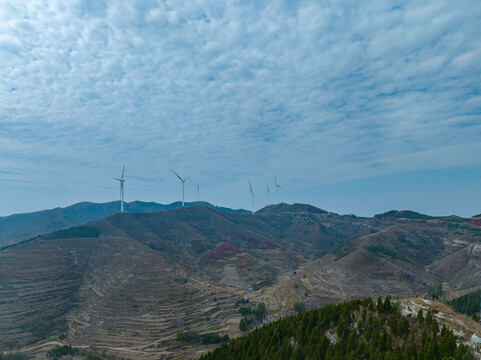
(40, 282)
(143, 277)
(400, 260)
(110, 291)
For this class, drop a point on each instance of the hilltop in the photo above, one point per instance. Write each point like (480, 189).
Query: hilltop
(403, 214)
(20, 227)
(287, 208)
(356, 329)
(127, 283)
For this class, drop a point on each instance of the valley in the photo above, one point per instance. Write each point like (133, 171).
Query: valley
(127, 283)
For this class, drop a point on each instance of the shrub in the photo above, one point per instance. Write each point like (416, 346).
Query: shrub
(85, 231)
(299, 307)
(59, 351)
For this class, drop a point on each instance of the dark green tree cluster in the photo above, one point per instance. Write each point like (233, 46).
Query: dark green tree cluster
(188, 336)
(59, 351)
(358, 329)
(252, 317)
(191, 337)
(212, 338)
(435, 291)
(467, 304)
(242, 301)
(82, 231)
(299, 307)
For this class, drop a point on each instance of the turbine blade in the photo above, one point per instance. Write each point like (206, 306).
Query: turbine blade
(250, 187)
(177, 176)
(123, 170)
(275, 178)
(118, 179)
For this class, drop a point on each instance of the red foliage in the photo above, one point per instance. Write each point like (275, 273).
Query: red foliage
(223, 250)
(475, 221)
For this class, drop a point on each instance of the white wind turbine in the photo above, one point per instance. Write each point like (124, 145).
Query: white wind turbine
(122, 180)
(277, 188)
(268, 195)
(183, 182)
(252, 194)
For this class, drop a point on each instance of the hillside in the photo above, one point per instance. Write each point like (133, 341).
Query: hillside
(403, 214)
(355, 329)
(129, 282)
(142, 276)
(19, 227)
(467, 304)
(402, 259)
(475, 220)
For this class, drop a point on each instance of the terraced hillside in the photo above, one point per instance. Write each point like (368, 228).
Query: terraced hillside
(129, 282)
(403, 259)
(109, 291)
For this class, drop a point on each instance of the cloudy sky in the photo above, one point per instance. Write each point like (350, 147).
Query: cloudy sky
(358, 107)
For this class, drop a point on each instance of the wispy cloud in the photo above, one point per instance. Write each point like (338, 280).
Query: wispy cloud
(331, 91)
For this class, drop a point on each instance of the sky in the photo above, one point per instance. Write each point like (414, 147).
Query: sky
(358, 107)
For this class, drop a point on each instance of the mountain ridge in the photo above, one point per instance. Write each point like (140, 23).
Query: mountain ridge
(19, 227)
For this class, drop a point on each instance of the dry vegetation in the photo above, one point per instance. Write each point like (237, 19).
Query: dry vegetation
(146, 276)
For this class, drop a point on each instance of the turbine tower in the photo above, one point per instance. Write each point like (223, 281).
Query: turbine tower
(277, 188)
(252, 194)
(268, 195)
(183, 182)
(122, 180)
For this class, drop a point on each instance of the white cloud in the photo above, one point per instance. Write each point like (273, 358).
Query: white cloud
(332, 90)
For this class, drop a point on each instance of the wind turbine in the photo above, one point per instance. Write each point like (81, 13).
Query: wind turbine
(183, 182)
(268, 195)
(277, 188)
(197, 192)
(122, 180)
(252, 194)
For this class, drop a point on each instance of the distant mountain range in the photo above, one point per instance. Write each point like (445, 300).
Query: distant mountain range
(19, 227)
